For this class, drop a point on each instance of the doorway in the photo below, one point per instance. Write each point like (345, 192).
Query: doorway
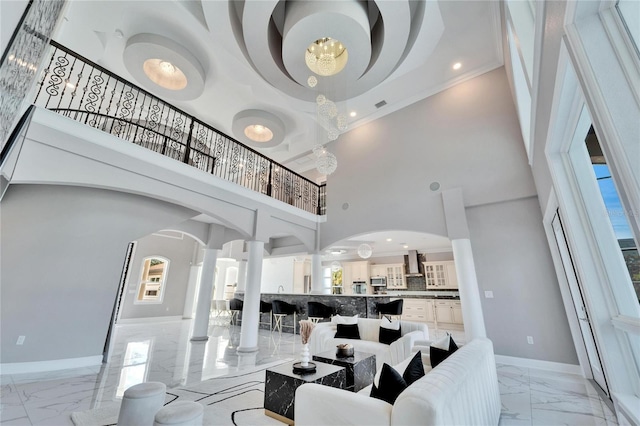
(593, 356)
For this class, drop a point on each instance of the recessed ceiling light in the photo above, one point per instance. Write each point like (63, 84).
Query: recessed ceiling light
(258, 133)
(165, 74)
(405, 246)
(457, 66)
(353, 113)
(389, 240)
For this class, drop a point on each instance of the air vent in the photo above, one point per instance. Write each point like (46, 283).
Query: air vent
(381, 104)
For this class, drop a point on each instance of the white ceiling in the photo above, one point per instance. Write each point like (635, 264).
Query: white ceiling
(241, 72)
(233, 55)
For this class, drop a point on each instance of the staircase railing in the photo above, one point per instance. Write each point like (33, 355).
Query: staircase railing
(78, 88)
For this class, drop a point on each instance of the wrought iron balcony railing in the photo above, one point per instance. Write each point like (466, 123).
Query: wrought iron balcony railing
(77, 88)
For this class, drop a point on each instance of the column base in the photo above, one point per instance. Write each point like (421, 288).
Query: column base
(247, 350)
(199, 338)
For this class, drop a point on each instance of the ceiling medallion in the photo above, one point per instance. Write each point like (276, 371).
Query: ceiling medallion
(164, 67)
(258, 128)
(326, 56)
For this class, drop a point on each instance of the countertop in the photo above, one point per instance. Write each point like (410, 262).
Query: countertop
(396, 294)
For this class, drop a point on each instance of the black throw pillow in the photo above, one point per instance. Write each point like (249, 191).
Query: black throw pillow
(437, 355)
(414, 370)
(348, 331)
(388, 336)
(390, 385)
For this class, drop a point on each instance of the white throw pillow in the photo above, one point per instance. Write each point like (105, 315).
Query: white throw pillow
(337, 319)
(442, 343)
(390, 325)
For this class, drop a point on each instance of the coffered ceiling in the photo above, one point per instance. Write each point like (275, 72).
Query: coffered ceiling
(250, 56)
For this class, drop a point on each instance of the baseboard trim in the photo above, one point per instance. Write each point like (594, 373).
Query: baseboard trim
(53, 365)
(540, 365)
(150, 319)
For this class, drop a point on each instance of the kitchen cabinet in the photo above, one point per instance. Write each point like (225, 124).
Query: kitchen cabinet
(431, 313)
(415, 310)
(457, 312)
(449, 311)
(354, 271)
(378, 270)
(395, 276)
(439, 275)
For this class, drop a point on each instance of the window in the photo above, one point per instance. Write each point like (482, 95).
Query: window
(152, 281)
(629, 11)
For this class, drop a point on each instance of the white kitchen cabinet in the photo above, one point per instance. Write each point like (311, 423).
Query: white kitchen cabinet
(456, 310)
(395, 276)
(444, 311)
(354, 271)
(449, 311)
(378, 271)
(440, 275)
(300, 270)
(415, 310)
(431, 313)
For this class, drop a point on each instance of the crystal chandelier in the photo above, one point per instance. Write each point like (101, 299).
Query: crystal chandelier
(326, 163)
(365, 251)
(326, 56)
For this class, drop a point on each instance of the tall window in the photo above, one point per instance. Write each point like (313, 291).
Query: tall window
(629, 10)
(615, 210)
(152, 280)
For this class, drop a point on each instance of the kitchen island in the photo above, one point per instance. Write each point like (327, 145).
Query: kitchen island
(364, 305)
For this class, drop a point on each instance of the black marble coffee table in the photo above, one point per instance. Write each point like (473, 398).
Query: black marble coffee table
(361, 367)
(281, 383)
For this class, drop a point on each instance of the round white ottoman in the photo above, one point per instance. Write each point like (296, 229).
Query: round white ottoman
(140, 404)
(182, 413)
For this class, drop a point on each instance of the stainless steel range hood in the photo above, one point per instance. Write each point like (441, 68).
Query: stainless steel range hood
(411, 265)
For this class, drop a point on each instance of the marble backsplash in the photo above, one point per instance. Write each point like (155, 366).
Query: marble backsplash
(416, 284)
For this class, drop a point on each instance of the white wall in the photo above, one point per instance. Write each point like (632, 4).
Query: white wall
(512, 259)
(179, 252)
(277, 271)
(466, 137)
(63, 250)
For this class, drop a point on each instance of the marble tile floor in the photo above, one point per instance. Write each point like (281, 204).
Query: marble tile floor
(162, 352)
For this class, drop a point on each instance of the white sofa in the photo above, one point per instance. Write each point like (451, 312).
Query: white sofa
(322, 339)
(462, 390)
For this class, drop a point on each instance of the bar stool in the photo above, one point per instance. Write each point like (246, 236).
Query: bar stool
(266, 308)
(281, 309)
(235, 306)
(391, 309)
(317, 311)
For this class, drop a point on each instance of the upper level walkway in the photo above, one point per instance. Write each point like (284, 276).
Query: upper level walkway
(79, 89)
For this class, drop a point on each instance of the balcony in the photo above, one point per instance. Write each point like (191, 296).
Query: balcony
(79, 89)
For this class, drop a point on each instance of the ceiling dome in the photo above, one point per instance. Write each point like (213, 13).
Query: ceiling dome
(275, 37)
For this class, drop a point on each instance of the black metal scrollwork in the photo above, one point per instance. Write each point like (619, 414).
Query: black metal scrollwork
(57, 76)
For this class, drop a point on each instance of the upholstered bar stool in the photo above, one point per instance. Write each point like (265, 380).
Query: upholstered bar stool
(391, 309)
(280, 310)
(266, 308)
(235, 306)
(140, 403)
(317, 311)
(181, 413)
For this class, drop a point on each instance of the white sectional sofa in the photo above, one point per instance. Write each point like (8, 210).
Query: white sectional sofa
(322, 339)
(462, 390)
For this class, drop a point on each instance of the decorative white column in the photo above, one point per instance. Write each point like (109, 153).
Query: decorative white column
(468, 289)
(242, 276)
(251, 306)
(203, 307)
(458, 231)
(317, 281)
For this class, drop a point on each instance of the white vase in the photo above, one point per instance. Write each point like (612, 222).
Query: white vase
(304, 355)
